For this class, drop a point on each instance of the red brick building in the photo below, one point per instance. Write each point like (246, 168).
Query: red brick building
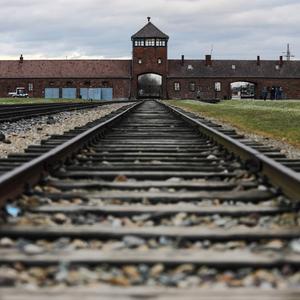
(149, 74)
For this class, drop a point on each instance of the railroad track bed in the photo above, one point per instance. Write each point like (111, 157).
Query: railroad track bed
(15, 112)
(152, 205)
(16, 136)
(271, 151)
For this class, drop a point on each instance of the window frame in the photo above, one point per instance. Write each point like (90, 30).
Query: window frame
(177, 86)
(30, 87)
(160, 43)
(218, 86)
(150, 42)
(192, 86)
(139, 43)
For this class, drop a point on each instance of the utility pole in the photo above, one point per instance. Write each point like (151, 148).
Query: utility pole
(288, 53)
(211, 50)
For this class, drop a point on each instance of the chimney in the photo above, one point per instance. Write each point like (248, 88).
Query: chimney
(281, 61)
(258, 60)
(182, 60)
(21, 59)
(208, 61)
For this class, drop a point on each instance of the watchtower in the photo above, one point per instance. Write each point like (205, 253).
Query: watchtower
(149, 62)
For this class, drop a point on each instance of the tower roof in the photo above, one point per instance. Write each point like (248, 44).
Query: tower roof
(150, 31)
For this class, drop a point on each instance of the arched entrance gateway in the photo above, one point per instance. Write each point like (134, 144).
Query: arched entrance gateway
(149, 63)
(243, 90)
(150, 86)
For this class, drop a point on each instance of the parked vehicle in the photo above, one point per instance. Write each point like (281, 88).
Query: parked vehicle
(19, 93)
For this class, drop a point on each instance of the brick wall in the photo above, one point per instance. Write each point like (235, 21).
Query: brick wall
(149, 64)
(121, 87)
(291, 87)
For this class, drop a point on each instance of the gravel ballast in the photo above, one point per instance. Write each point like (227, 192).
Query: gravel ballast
(285, 148)
(19, 135)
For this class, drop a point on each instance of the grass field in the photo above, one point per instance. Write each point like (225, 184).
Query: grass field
(36, 100)
(278, 120)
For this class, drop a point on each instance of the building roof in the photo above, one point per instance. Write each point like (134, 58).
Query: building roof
(65, 69)
(122, 69)
(243, 68)
(150, 31)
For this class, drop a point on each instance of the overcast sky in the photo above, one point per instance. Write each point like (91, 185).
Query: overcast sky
(240, 29)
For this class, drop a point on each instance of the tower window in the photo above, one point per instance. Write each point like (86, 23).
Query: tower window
(176, 86)
(159, 61)
(139, 43)
(150, 42)
(160, 43)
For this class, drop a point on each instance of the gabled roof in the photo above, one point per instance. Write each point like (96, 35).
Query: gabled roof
(150, 31)
(243, 68)
(65, 69)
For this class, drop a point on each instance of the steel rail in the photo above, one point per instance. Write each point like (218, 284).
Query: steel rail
(13, 183)
(11, 113)
(279, 175)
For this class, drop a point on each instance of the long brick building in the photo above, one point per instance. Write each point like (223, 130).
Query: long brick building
(149, 74)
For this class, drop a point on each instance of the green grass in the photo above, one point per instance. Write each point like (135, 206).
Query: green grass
(278, 120)
(37, 100)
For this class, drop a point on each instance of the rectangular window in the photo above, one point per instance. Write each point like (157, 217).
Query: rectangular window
(218, 86)
(160, 43)
(139, 43)
(177, 86)
(150, 42)
(192, 87)
(30, 87)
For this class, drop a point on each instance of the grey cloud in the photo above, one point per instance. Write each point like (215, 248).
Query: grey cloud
(98, 28)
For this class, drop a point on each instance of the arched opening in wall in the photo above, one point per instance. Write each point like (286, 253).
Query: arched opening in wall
(243, 90)
(150, 86)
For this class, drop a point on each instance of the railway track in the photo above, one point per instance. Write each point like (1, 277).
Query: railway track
(147, 204)
(269, 151)
(15, 112)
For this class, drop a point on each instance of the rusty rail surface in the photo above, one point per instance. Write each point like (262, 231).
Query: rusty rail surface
(280, 175)
(148, 203)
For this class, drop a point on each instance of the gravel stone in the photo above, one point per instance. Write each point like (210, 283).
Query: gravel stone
(31, 249)
(6, 242)
(132, 241)
(2, 137)
(295, 245)
(289, 150)
(27, 132)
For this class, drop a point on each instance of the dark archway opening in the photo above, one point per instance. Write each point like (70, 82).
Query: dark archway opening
(243, 90)
(150, 86)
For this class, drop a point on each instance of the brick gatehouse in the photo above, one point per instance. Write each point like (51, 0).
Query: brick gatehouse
(149, 74)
